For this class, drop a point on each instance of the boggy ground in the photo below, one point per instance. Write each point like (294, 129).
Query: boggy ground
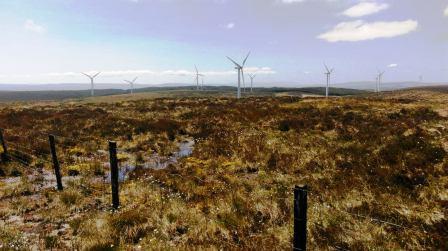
(377, 170)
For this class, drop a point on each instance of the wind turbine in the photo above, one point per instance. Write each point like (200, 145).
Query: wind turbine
(197, 77)
(92, 84)
(240, 69)
(132, 84)
(380, 79)
(252, 76)
(376, 83)
(202, 83)
(328, 73)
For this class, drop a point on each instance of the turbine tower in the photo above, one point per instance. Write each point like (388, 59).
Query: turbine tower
(376, 84)
(197, 77)
(252, 76)
(328, 73)
(132, 84)
(380, 80)
(202, 83)
(92, 84)
(240, 69)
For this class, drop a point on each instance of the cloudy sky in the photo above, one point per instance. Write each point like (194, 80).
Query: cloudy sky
(51, 41)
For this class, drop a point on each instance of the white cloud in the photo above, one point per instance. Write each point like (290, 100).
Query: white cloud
(360, 30)
(364, 9)
(30, 25)
(445, 12)
(392, 65)
(292, 1)
(122, 73)
(230, 26)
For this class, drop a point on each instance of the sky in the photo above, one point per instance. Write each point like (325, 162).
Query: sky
(161, 41)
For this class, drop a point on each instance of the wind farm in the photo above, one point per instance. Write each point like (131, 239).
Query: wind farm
(223, 125)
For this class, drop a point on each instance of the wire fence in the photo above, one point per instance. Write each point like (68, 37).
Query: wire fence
(25, 155)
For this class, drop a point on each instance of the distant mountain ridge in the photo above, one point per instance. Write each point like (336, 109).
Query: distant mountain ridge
(362, 85)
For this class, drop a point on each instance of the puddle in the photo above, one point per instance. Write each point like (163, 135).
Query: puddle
(46, 179)
(155, 161)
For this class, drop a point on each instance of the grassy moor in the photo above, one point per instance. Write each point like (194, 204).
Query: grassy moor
(217, 173)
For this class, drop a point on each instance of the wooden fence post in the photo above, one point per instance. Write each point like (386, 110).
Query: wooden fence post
(4, 155)
(300, 208)
(114, 173)
(56, 166)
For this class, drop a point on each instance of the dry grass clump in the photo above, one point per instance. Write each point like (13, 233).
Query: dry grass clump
(69, 197)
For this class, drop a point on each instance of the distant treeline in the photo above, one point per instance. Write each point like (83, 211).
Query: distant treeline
(9, 96)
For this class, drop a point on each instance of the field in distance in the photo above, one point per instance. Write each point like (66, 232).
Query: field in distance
(151, 92)
(213, 172)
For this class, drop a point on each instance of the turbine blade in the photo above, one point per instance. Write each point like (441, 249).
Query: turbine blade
(244, 62)
(326, 67)
(94, 76)
(197, 72)
(233, 61)
(242, 75)
(87, 75)
(135, 79)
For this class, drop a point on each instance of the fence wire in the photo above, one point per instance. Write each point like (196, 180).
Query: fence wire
(66, 158)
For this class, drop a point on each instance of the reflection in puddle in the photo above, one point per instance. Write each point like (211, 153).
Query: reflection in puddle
(155, 161)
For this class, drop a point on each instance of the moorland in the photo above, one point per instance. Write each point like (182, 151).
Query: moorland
(214, 172)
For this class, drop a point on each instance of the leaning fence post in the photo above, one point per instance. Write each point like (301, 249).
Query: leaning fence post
(114, 173)
(54, 156)
(4, 154)
(300, 208)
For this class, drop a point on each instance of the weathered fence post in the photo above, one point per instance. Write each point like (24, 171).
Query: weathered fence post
(300, 208)
(54, 156)
(114, 173)
(4, 154)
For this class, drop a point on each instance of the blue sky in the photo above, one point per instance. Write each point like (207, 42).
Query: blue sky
(51, 41)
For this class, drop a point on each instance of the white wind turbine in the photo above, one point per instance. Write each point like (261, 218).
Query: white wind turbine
(197, 77)
(379, 80)
(132, 84)
(376, 83)
(240, 69)
(202, 83)
(92, 84)
(328, 73)
(252, 76)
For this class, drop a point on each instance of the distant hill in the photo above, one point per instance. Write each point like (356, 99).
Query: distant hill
(360, 85)
(8, 96)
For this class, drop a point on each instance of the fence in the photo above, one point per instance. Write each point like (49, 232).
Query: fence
(300, 193)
